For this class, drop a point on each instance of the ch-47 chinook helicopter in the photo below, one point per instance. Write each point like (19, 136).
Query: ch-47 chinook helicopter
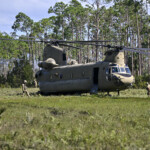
(56, 76)
(112, 74)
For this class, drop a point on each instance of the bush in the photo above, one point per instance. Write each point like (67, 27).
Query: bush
(3, 82)
(21, 71)
(2, 79)
(140, 81)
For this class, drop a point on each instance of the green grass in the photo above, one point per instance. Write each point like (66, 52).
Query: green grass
(73, 121)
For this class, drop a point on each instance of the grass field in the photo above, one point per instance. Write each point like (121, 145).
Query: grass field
(74, 122)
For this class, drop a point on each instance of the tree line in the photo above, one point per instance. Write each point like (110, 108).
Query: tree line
(126, 23)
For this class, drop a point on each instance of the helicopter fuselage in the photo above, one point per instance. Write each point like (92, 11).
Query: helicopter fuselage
(100, 76)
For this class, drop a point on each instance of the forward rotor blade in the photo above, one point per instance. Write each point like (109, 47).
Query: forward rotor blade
(142, 49)
(132, 50)
(109, 46)
(93, 44)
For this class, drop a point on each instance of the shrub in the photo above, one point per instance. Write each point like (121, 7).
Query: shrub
(21, 71)
(140, 81)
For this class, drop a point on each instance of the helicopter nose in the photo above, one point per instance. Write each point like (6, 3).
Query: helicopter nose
(128, 81)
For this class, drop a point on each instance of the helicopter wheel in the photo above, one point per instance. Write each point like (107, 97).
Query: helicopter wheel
(118, 92)
(108, 94)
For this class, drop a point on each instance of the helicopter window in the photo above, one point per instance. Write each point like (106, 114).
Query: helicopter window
(128, 70)
(83, 74)
(51, 77)
(64, 57)
(56, 74)
(61, 76)
(107, 71)
(122, 69)
(115, 69)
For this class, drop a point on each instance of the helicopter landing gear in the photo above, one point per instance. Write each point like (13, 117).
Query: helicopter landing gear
(108, 94)
(118, 92)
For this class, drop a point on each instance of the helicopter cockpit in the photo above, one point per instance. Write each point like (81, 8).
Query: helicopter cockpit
(120, 75)
(114, 68)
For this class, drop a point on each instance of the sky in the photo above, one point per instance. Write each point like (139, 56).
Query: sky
(35, 9)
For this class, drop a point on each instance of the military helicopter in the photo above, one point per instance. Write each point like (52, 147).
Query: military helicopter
(56, 76)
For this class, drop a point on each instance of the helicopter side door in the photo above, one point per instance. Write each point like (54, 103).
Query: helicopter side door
(95, 75)
(95, 80)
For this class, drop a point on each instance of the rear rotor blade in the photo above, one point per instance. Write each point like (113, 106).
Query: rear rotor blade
(20, 40)
(70, 46)
(88, 41)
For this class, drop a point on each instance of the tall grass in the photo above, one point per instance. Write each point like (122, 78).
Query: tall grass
(74, 121)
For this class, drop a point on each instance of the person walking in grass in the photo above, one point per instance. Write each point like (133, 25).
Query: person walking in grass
(24, 89)
(35, 83)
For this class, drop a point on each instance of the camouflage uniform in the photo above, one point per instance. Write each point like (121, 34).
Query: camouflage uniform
(148, 89)
(35, 83)
(24, 89)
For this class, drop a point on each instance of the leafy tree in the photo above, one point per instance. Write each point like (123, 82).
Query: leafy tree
(3, 81)
(21, 71)
(58, 10)
(23, 23)
(76, 16)
(46, 25)
(8, 49)
(37, 30)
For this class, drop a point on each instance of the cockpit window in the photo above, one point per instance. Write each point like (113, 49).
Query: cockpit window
(115, 69)
(128, 70)
(108, 71)
(118, 69)
(122, 69)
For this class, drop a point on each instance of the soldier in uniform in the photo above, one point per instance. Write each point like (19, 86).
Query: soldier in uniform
(148, 88)
(24, 89)
(35, 83)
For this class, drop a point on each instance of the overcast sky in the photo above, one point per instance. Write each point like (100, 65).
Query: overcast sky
(35, 9)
